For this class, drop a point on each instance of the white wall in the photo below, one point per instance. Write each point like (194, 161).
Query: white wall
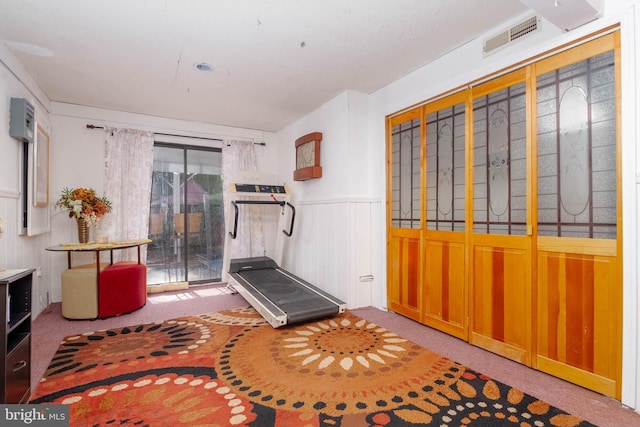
(19, 250)
(336, 214)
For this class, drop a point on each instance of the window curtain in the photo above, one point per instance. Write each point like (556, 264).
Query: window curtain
(127, 184)
(238, 157)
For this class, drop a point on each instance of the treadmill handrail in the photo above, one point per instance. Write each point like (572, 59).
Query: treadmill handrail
(235, 204)
(235, 223)
(293, 218)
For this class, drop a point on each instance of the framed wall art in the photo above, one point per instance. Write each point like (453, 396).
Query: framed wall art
(308, 157)
(41, 168)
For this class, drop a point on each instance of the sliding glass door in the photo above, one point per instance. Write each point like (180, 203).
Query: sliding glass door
(186, 219)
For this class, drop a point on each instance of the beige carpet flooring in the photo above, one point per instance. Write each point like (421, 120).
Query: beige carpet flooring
(50, 327)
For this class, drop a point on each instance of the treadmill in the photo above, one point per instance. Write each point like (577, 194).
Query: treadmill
(278, 295)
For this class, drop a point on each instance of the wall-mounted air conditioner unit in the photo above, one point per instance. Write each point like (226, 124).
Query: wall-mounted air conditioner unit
(567, 14)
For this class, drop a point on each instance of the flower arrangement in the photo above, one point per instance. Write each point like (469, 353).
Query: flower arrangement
(84, 203)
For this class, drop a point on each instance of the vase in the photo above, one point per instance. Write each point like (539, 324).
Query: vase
(83, 230)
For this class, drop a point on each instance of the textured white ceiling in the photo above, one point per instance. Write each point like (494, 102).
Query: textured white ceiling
(273, 60)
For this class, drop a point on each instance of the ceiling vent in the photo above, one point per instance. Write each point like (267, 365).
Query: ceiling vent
(507, 37)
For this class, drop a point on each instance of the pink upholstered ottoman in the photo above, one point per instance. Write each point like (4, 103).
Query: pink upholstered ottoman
(122, 289)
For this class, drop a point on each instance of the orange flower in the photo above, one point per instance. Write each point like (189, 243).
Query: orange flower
(84, 203)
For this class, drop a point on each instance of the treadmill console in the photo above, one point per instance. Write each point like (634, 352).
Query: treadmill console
(259, 188)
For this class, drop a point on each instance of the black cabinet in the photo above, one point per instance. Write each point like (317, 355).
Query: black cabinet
(15, 336)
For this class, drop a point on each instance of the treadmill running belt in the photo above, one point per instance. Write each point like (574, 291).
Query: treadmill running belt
(300, 300)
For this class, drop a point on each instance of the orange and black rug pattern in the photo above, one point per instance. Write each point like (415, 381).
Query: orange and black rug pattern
(232, 368)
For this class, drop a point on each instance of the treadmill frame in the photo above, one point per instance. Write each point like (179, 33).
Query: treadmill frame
(273, 314)
(267, 308)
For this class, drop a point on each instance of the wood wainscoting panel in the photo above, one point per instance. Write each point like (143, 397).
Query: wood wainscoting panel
(445, 292)
(500, 303)
(404, 273)
(579, 318)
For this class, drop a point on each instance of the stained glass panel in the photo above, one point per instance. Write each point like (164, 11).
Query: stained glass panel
(577, 150)
(405, 175)
(446, 169)
(499, 165)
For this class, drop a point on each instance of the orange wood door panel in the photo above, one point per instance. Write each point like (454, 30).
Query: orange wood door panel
(404, 294)
(445, 292)
(579, 321)
(501, 296)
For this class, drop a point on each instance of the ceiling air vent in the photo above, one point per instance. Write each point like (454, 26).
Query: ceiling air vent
(505, 38)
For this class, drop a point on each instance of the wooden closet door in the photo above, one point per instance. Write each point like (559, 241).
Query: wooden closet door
(445, 302)
(579, 299)
(500, 252)
(405, 211)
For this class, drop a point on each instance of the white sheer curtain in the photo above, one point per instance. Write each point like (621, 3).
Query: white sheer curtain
(238, 157)
(127, 184)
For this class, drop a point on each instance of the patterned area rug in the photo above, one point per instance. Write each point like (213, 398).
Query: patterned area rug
(231, 368)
